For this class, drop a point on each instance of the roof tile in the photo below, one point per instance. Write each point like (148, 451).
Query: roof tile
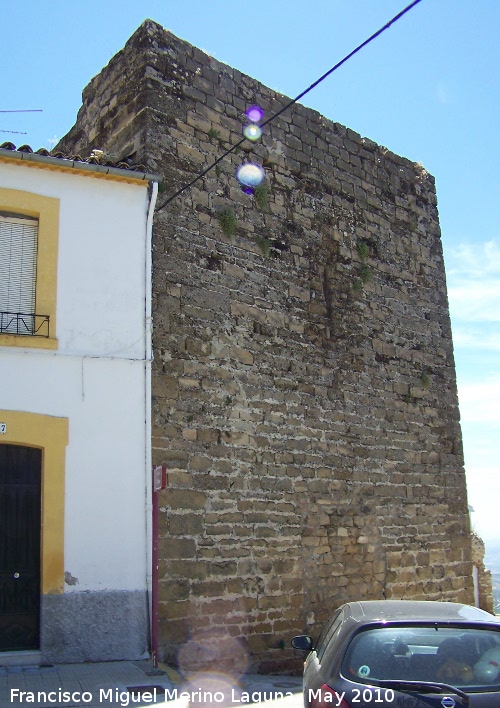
(96, 157)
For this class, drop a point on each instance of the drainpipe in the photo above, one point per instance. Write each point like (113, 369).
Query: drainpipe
(147, 390)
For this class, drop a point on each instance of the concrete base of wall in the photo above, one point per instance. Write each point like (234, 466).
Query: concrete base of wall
(94, 626)
(20, 658)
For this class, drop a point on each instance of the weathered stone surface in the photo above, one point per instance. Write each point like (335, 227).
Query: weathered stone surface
(483, 578)
(304, 393)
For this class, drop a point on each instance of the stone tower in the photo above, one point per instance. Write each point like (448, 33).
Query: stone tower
(304, 394)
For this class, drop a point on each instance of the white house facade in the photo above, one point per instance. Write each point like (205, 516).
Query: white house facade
(75, 468)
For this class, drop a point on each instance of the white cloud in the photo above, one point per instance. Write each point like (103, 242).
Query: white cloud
(474, 338)
(483, 493)
(474, 260)
(473, 275)
(443, 95)
(480, 401)
(479, 338)
(475, 301)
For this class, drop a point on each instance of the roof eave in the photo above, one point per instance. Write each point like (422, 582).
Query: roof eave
(68, 164)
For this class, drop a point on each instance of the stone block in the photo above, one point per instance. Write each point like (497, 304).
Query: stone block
(171, 547)
(173, 591)
(185, 499)
(190, 434)
(185, 524)
(244, 356)
(191, 154)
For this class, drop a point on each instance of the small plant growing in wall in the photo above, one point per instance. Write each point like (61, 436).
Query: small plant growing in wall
(357, 286)
(425, 380)
(363, 250)
(213, 134)
(265, 245)
(365, 274)
(228, 222)
(261, 196)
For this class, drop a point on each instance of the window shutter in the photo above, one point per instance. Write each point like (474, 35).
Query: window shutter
(18, 252)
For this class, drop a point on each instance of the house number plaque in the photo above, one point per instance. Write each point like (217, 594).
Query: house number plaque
(3, 428)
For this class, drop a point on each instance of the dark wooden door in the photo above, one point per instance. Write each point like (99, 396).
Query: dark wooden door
(20, 503)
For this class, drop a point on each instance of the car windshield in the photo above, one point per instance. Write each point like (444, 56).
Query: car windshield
(465, 657)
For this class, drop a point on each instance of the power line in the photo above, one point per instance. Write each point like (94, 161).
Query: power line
(293, 101)
(21, 110)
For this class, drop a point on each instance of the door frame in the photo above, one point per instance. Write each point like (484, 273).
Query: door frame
(51, 435)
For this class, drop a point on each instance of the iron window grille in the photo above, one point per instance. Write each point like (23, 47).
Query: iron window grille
(25, 323)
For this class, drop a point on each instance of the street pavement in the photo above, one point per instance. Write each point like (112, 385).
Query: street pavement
(137, 683)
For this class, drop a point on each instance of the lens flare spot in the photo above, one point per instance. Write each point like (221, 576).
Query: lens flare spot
(254, 113)
(212, 654)
(250, 175)
(252, 132)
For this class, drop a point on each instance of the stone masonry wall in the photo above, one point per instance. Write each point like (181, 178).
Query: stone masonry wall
(484, 578)
(304, 393)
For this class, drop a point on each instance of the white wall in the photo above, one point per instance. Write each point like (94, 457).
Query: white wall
(100, 304)
(97, 377)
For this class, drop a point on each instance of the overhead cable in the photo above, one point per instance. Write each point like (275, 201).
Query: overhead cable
(292, 102)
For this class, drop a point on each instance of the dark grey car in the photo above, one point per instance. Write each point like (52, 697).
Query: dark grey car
(403, 653)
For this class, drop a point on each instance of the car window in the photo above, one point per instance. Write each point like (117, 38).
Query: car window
(328, 633)
(468, 657)
(319, 645)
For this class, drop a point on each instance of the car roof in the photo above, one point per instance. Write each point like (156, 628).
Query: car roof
(407, 610)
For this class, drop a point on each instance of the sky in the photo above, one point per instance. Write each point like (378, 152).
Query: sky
(426, 89)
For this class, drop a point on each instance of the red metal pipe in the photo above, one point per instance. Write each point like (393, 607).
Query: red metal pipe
(159, 482)
(154, 578)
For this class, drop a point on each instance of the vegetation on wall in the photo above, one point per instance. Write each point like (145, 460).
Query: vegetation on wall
(365, 274)
(261, 196)
(212, 133)
(265, 245)
(425, 380)
(228, 221)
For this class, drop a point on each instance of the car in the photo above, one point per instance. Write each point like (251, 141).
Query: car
(416, 654)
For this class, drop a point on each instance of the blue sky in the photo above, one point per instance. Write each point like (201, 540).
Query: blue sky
(426, 89)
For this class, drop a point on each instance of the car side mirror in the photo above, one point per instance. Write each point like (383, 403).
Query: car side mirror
(302, 642)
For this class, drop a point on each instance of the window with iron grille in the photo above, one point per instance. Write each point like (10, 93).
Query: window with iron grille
(18, 258)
